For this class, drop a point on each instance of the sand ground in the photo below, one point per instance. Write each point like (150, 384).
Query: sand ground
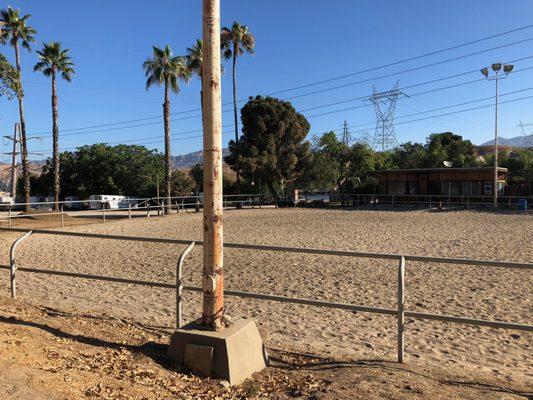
(479, 292)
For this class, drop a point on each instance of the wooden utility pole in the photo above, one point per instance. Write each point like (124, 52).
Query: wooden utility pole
(15, 140)
(213, 273)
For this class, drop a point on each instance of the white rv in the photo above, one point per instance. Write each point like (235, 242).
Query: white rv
(107, 201)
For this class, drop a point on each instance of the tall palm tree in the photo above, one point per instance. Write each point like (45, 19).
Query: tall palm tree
(55, 60)
(166, 69)
(234, 43)
(195, 59)
(14, 29)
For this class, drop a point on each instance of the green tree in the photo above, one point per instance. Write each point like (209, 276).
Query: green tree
(9, 79)
(102, 169)
(55, 60)
(272, 147)
(197, 175)
(14, 30)
(450, 147)
(320, 174)
(235, 41)
(166, 69)
(181, 184)
(410, 155)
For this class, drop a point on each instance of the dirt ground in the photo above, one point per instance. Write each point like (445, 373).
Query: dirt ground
(484, 357)
(47, 354)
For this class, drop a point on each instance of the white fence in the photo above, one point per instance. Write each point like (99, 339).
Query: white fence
(400, 313)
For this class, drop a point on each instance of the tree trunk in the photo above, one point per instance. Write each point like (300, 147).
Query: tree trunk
(236, 119)
(23, 141)
(213, 272)
(166, 117)
(272, 190)
(55, 140)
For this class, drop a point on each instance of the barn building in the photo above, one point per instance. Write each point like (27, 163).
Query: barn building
(440, 181)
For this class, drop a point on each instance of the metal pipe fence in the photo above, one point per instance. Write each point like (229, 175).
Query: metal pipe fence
(400, 313)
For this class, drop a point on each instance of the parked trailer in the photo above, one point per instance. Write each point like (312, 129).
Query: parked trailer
(110, 202)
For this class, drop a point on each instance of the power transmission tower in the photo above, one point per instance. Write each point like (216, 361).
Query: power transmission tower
(385, 106)
(527, 134)
(346, 134)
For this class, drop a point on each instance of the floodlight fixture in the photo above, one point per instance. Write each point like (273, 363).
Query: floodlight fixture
(508, 68)
(485, 72)
(496, 67)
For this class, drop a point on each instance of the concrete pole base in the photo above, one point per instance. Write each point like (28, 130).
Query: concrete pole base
(233, 354)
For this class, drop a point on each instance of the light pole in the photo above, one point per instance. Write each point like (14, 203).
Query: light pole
(496, 68)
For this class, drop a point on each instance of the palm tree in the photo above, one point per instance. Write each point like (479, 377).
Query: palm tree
(194, 59)
(166, 69)
(234, 43)
(14, 29)
(53, 60)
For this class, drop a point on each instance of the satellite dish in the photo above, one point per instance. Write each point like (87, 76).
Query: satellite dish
(447, 164)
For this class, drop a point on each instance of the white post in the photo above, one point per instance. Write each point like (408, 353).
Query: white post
(9, 216)
(401, 305)
(62, 216)
(129, 210)
(12, 263)
(179, 284)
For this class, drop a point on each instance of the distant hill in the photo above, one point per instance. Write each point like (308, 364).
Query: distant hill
(191, 159)
(517, 141)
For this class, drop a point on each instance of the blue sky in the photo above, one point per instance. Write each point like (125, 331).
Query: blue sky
(297, 42)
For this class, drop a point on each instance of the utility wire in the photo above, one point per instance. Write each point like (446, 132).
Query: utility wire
(335, 87)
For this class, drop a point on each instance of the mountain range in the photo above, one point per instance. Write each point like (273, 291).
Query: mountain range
(517, 141)
(186, 161)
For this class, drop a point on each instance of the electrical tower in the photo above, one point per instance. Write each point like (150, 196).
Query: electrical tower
(385, 105)
(527, 134)
(345, 134)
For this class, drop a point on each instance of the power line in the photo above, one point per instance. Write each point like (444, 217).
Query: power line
(340, 86)
(404, 60)
(406, 70)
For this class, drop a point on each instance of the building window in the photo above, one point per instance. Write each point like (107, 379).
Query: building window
(413, 188)
(467, 188)
(396, 188)
(476, 188)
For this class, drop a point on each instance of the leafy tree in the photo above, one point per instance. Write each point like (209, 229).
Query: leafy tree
(234, 42)
(9, 79)
(181, 184)
(320, 174)
(197, 175)
(13, 29)
(55, 60)
(410, 155)
(272, 147)
(338, 155)
(450, 147)
(102, 169)
(166, 69)
(361, 162)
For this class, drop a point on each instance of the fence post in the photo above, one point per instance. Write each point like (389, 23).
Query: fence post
(401, 304)
(179, 284)
(62, 216)
(12, 263)
(509, 202)
(129, 210)
(103, 214)
(9, 216)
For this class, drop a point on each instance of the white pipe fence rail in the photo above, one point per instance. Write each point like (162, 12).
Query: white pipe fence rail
(400, 313)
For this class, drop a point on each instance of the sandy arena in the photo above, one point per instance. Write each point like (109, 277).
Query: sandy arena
(478, 292)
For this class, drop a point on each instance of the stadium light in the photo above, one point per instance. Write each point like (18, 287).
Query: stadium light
(507, 69)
